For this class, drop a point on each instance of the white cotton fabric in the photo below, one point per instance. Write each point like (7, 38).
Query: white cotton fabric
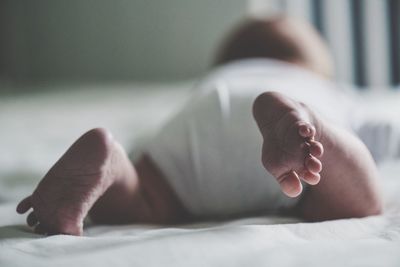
(210, 151)
(381, 136)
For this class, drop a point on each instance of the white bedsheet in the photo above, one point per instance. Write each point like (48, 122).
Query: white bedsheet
(35, 131)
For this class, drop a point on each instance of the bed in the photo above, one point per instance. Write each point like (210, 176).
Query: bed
(38, 127)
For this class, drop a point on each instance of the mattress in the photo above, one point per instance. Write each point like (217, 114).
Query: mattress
(37, 128)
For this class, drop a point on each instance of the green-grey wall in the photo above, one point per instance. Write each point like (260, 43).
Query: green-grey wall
(108, 40)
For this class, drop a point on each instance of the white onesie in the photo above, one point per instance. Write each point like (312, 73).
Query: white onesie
(210, 151)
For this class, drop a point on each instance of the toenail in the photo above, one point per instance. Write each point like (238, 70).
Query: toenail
(304, 129)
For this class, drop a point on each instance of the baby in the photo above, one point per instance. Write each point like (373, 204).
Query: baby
(205, 162)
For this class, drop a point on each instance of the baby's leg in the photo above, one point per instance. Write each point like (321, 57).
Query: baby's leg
(95, 172)
(298, 144)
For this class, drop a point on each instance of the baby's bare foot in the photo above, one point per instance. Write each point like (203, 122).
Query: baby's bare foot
(67, 192)
(291, 148)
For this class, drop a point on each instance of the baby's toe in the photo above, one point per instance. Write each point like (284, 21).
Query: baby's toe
(316, 148)
(313, 164)
(310, 177)
(67, 227)
(24, 205)
(306, 130)
(31, 220)
(290, 184)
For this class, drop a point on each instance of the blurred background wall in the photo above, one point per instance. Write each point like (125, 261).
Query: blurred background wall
(139, 40)
(104, 40)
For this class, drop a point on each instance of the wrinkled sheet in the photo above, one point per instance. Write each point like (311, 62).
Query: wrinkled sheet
(36, 129)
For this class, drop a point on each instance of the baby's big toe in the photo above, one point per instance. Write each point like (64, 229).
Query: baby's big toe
(290, 184)
(310, 178)
(66, 227)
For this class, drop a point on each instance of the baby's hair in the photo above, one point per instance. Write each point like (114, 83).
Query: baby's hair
(280, 38)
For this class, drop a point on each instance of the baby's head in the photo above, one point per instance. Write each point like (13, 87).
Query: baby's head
(282, 38)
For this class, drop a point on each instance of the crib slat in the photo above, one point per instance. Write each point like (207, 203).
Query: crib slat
(376, 44)
(338, 34)
(393, 7)
(317, 15)
(357, 42)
